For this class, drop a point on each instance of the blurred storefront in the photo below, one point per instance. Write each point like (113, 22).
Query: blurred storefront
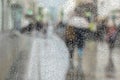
(6, 15)
(16, 10)
(7, 20)
(81, 7)
(97, 7)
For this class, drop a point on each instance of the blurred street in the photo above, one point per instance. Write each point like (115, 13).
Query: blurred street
(59, 39)
(95, 60)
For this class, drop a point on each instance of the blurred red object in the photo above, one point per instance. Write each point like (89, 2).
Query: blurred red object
(111, 32)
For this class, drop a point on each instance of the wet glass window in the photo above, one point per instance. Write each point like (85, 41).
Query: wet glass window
(59, 39)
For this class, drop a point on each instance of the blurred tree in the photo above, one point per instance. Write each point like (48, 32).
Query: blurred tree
(40, 14)
(61, 14)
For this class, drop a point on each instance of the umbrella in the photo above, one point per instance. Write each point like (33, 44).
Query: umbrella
(78, 22)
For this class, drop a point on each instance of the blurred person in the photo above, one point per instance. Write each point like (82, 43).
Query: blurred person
(117, 38)
(70, 39)
(38, 26)
(90, 50)
(60, 29)
(111, 38)
(80, 39)
(116, 50)
(111, 33)
(28, 24)
(75, 32)
(28, 28)
(31, 24)
(101, 29)
(75, 40)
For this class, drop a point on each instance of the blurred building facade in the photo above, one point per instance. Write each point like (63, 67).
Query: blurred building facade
(106, 6)
(97, 7)
(13, 11)
(86, 8)
(5, 15)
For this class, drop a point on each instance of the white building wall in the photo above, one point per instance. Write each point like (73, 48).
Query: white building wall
(69, 7)
(105, 6)
(5, 16)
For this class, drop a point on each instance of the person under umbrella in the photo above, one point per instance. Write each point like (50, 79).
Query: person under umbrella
(75, 38)
(111, 38)
(75, 33)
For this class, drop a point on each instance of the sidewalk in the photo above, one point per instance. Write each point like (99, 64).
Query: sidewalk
(49, 59)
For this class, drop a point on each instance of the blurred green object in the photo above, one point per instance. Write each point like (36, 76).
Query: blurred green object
(92, 26)
(29, 12)
(40, 10)
(113, 17)
(62, 14)
(39, 18)
(116, 11)
(88, 14)
(40, 15)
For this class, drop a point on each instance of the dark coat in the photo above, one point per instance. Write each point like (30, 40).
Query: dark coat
(38, 26)
(28, 28)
